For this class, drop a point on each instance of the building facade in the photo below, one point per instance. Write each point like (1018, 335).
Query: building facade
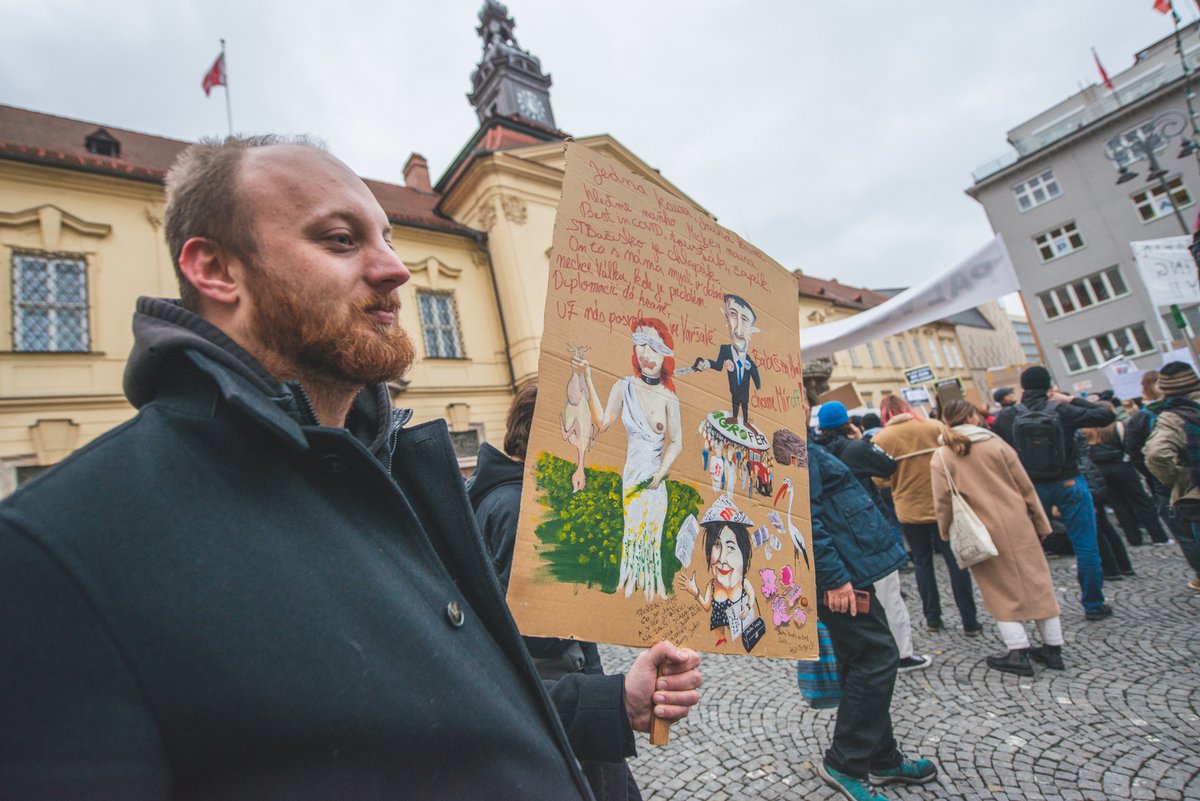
(1104, 168)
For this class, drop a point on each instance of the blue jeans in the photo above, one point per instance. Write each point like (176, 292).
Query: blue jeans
(1074, 502)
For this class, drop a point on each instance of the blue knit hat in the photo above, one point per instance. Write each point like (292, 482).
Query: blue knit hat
(832, 415)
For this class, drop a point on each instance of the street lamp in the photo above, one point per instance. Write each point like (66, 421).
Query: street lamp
(1147, 142)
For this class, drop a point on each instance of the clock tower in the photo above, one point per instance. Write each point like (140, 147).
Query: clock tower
(508, 81)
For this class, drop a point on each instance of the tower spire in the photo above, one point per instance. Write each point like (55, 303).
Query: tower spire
(508, 81)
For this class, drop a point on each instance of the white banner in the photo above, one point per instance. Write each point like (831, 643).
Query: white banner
(1168, 270)
(985, 276)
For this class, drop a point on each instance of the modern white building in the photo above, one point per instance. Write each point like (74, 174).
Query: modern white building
(1068, 222)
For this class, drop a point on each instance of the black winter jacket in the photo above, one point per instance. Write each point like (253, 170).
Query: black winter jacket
(222, 599)
(1074, 415)
(866, 461)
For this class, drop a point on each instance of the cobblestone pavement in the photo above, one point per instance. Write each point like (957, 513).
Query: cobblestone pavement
(1122, 722)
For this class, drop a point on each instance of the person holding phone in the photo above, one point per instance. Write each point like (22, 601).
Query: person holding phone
(853, 548)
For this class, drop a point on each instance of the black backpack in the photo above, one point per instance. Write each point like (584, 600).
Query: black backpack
(1039, 441)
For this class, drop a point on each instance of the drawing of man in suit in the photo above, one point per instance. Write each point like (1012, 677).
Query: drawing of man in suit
(734, 358)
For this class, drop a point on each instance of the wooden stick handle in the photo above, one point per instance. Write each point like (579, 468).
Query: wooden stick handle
(660, 728)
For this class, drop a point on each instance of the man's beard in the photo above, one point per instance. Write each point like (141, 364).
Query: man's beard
(324, 339)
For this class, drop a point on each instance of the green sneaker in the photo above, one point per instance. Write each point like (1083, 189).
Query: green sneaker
(909, 771)
(851, 788)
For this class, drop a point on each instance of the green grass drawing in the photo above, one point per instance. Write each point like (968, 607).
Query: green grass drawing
(582, 531)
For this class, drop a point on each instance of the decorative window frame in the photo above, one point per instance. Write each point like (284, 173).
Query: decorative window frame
(449, 295)
(21, 305)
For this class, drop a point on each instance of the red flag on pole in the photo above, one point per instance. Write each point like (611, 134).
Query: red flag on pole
(1103, 75)
(215, 76)
(1163, 6)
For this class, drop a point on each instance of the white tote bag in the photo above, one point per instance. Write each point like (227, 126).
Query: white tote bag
(969, 538)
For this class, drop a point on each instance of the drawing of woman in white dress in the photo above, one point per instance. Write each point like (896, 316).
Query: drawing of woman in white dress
(649, 409)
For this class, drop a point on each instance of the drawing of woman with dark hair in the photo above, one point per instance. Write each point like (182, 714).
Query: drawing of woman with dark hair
(729, 596)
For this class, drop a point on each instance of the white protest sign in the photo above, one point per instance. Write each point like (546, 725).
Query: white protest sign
(985, 276)
(1168, 270)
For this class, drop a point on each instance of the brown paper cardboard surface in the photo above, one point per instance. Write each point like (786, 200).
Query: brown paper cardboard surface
(845, 394)
(649, 510)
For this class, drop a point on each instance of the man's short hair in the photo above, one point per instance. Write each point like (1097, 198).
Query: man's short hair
(520, 420)
(202, 199)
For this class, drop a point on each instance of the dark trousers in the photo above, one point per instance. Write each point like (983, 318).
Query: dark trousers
(1131, 503)
(923, 542)
(1185, 534)
(742, 403)
(867, 659)
(1114, 559)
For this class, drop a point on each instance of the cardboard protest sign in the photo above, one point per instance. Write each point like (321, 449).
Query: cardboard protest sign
(845, 394)
(653, 507)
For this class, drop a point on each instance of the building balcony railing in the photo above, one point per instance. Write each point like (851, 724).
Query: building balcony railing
(1153, 78)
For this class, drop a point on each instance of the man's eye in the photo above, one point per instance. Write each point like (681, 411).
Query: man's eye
(342, 239)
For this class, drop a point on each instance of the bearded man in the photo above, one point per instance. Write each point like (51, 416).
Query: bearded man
(265, 586)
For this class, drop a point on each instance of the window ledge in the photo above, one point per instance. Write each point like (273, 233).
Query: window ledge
(59, 353)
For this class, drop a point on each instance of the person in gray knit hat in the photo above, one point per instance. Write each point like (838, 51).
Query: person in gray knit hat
(1068, 490)
(1169, 455)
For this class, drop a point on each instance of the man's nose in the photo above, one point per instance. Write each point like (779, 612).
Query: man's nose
(386, 271)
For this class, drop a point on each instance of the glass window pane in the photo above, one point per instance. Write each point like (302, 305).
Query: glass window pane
(1099, 290)
(1082, 294)
(1039, 195)
(1122, 340)
(1064, 300)
(1116, 281)
(1048, 305)
(1072, 360)
(1088, 353)
(1140, 337)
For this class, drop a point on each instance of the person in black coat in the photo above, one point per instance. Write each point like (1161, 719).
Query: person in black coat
(1068, 490)
(1126, 494)
(267, 585)
(495, 493)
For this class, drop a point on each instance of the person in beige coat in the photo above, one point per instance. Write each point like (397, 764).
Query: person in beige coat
(1015, 584)
(911, 441)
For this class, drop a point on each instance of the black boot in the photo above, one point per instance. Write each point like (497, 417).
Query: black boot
(1015, 661)
(1048, 655)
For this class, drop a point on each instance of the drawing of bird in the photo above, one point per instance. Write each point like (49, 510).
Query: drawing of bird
(797, 540)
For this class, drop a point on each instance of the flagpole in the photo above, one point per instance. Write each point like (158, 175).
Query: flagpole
(225, 75)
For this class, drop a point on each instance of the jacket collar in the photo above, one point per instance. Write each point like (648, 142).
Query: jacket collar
(166, 335)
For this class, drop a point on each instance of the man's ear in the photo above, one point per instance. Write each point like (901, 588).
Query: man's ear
(207, 267)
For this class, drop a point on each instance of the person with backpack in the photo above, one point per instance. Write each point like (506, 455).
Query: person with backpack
(1126, 495)
(1141, 424)
(1041, 428)
(1114, 559)
(1173, 450)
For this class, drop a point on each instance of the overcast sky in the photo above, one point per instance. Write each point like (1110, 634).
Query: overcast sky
(837, 137)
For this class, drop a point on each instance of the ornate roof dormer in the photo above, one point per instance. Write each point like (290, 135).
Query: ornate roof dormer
(508, 81)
